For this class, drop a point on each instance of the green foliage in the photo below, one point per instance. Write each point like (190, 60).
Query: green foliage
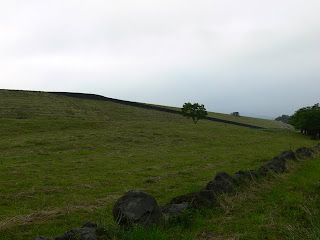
(194, 111)
(283, 118)
(307, 119)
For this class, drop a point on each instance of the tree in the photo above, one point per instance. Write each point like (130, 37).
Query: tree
(283, 118)
(194, 111)
(307, 120)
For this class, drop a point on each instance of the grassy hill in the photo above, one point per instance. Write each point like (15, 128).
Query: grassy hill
(64, 161)
(42, 105)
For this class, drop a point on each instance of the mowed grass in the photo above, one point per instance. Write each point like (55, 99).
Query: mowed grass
(59, 172)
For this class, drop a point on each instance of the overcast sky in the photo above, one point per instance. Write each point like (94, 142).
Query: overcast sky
(258, 57)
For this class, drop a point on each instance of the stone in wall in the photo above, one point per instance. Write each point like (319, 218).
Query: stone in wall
(137, 207)
(222, 183)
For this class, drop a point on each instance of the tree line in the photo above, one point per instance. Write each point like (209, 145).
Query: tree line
(306, 119)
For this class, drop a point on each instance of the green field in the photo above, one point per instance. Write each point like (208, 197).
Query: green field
(41, 105)
(64, 161)
(281, 207)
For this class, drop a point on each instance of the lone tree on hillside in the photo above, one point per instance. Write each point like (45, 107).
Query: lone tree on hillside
(194, 111)
(307, 120)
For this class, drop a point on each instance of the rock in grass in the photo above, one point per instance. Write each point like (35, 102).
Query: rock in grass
(244, 176)
(316, 149)
(263, 170)
(79, 234)
(174, 210)
(88, 231)
(89, 225)
(288, 155)
(303, 152)
(276, 165)
(196, 199)
(137, 207)
(222, 183)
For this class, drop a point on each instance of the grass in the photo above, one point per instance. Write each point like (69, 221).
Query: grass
(265, 123)
(281, 207)
(41, 105)
(64, 161)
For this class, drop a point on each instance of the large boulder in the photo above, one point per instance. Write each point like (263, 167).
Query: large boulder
(174, 210)
(222, 183)
(303, 152)
(137, 207)
(196, 199)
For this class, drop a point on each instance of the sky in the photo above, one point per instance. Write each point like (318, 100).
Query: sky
(257, 57)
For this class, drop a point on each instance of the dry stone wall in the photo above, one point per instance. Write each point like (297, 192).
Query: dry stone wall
(137, 207)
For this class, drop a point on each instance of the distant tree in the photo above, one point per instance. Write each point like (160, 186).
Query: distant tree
(194, 111)
(237, 114)
(307, 120)
(283, 118)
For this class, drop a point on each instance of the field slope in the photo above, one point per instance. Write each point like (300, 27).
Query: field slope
(64, 161)
(28, 104)
(259, 122)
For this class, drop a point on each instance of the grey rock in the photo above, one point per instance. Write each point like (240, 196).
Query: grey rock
(316, 149)
(263, 170)
(288, 155)
(79, 234)
(137, 207)
(196, 199)
(244, 176)
(303, 152)
(223, 183)
(89, 225)
(88, 231)
(276, 165)
(174, 210)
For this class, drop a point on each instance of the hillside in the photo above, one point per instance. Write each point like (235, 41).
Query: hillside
(264, 123)
(28, 104)
(43, 105)
(64, 161)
